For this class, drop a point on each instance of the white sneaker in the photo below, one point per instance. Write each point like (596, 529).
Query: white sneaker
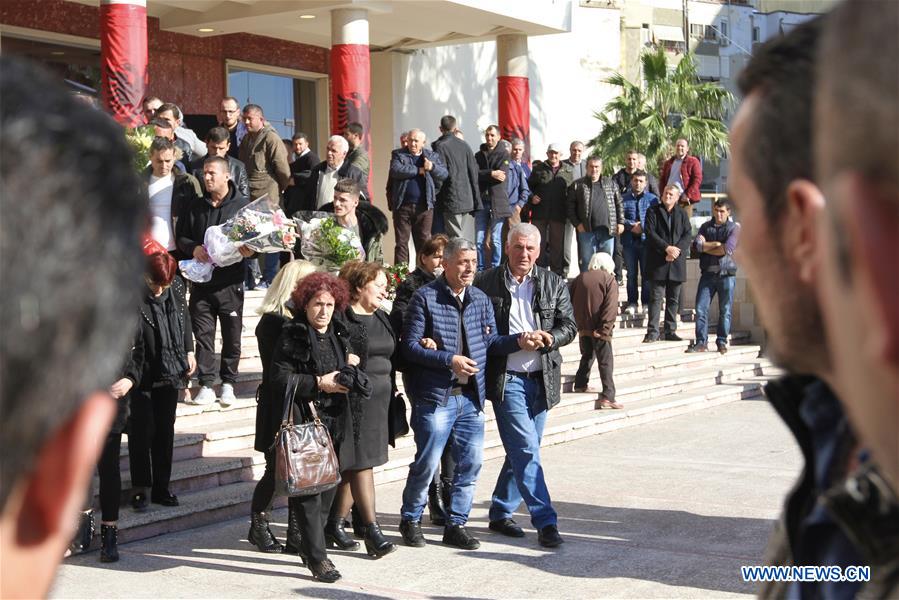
(227, 398)
(631, 309)
(205, 396)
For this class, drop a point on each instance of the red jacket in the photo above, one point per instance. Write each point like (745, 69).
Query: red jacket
(690, 174)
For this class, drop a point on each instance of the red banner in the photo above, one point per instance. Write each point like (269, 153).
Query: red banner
(351, 91)
(515, 110)
(123, 59)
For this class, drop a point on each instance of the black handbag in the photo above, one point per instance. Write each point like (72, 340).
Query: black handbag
(305, 461)
(397, 425)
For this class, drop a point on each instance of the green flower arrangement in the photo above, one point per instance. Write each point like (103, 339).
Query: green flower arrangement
(140, 138)
(328, 245)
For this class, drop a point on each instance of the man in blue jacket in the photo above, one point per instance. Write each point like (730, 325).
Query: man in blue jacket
(635, 203)
(416, 174)
(447, 388)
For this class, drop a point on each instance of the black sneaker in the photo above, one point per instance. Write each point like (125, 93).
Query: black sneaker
(649, 339)
(697, 348)
(549, 537)
(507, 527)
(722, 348)
(458, 536)
(673, 337)
(411, 532)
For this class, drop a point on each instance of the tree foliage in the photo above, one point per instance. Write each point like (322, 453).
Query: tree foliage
(673, 104)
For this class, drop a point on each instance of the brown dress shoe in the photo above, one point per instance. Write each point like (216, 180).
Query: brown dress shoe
(606, 403)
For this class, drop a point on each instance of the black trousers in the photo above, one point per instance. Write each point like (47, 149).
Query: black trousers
(670, 290)
(264, 491)
(110, 477)
(312, 515)
(415, 219)
(601, 350)
(151, 437)
(206, 308)
(619, 259)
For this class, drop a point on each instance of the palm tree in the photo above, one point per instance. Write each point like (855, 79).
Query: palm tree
(673, 104)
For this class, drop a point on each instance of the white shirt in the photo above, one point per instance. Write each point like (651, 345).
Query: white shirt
(674, 177)
(521, 319)
(160, 191)
(326, 183)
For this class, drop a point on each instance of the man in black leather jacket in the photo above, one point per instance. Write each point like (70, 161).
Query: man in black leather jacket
(525, 385)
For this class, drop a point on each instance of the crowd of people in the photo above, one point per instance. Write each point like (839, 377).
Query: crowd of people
(482, 317)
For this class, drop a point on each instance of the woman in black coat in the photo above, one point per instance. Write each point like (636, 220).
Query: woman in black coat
(319, 351)
(275, 311)
(168, 359)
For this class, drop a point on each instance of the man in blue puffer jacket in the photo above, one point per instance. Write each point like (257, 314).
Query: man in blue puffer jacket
(456, 322)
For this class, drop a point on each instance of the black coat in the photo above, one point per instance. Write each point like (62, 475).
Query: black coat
(236, 169)
(191, 229)
(268, 408)
(294, 355)
(495, 192)
(308, 197)
(553, 313)
(186, 190)
(659, 235)
(553, 191)
(459, 193)
(150, 367)
(300, 175)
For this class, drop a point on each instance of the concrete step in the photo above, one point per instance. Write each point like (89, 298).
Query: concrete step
(223, 451)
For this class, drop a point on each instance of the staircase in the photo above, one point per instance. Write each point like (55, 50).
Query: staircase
(215, 466)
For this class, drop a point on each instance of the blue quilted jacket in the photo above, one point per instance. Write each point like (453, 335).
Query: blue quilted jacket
(433, 313)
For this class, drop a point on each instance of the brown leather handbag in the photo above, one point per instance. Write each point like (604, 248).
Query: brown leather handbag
(305, 461)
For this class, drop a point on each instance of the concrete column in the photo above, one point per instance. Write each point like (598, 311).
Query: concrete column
(514, 88)
(350, 73)
(123, 58)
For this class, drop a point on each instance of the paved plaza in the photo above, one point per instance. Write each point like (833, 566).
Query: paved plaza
(669, 509)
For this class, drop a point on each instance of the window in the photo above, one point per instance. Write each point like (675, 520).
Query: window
(756, 35)
(725, 34)
(697, 30)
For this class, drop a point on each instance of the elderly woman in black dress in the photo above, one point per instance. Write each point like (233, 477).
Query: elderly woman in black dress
(318, 349)
(367, 283)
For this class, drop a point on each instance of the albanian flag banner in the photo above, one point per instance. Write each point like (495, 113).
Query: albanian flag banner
(515, 110)
(351, 88)
(123, 58)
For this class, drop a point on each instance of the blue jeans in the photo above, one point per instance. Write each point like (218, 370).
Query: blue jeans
(462, 423)
(634, 262)
(709, 285)
(520, 418)
(591, 242)
(484, 223)
(270, 265)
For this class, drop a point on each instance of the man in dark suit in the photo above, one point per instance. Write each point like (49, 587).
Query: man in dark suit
(668, 236)
(325, 175)
(300, 172)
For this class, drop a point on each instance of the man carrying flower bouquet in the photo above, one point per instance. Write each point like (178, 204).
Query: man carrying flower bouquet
(367, 221)
(221, 298)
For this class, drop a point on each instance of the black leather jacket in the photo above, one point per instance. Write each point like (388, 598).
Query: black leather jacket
(552, 312)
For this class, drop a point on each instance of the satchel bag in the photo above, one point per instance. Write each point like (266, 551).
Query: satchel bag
(305, 461)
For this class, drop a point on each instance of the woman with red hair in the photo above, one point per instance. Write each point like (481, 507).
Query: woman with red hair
(320, 351)
(168, 351)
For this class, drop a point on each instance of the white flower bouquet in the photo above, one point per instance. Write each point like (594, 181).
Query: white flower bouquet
(327, 245)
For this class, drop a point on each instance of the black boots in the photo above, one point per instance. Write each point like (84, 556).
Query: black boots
(109, 550)
(293, 544)
(84, 533)
(324, 571)
(358, 525)
(260, 534)
(375, 543)
(436, 505)
(336, 535)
